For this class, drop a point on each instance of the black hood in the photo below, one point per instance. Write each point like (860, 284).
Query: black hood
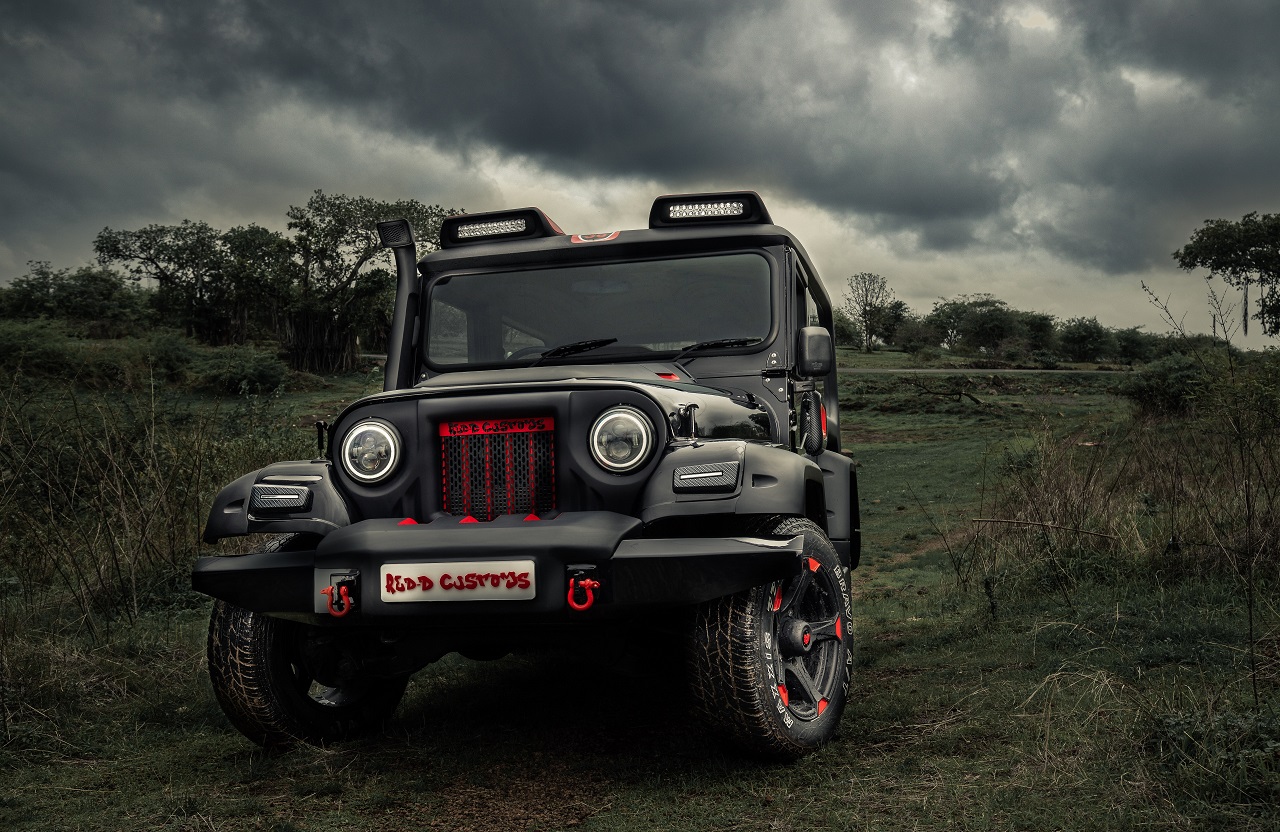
(707, 412)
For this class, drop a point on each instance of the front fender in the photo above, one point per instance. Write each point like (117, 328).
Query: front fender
(296, 496)
(733, 477)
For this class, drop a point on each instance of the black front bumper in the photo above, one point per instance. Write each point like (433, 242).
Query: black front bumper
(632, 572)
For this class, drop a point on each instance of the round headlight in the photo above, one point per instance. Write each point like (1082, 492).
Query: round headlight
(370, 451)
(621, 439)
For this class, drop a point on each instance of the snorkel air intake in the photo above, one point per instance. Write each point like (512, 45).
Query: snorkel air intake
(397, 235)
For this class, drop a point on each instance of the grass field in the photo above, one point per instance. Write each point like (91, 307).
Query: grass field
(980, 702)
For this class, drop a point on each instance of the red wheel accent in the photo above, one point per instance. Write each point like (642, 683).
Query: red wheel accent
(777, 599)
(806, 638)
(814, 566)
(839, 629)
(822, 706)
(786, 698)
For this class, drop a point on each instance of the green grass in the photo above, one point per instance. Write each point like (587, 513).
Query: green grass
(1012, 706)
(958, 721)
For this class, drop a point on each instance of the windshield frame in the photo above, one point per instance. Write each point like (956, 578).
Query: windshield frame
(776, 305)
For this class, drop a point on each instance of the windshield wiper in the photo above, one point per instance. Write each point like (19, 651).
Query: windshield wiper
(572, 349)
(709, 345)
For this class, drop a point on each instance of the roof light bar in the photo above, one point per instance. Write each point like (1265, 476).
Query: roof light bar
(676, 210)
(488, 229)
(496, 227)
(690, 210)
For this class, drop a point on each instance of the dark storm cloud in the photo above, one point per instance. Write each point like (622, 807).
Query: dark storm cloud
(1103, 132)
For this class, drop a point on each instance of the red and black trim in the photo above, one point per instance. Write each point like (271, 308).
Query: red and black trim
(489, 468)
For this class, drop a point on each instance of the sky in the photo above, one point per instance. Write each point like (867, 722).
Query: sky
(1052, 153)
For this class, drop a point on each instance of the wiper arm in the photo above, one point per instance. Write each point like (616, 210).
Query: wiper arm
(572, 349)
(709, 345)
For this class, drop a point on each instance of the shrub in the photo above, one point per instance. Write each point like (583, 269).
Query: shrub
(169, 354)
(239, 370)
(36, 348)
(1167, 387)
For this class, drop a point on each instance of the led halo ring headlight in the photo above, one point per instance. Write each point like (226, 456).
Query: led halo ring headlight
(370, 451)
(621, 439)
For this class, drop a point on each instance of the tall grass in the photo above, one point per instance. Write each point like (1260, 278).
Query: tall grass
(102, 500)
(1178, 506)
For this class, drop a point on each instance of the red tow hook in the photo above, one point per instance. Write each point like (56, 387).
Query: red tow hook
(345, 600)
(582, 588)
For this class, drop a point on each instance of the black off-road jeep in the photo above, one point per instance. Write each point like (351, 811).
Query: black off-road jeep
(580, 438)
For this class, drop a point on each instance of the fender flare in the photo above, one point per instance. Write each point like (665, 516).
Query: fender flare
(769, 480)
(323, 509)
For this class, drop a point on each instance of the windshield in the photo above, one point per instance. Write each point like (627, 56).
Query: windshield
(597, 312)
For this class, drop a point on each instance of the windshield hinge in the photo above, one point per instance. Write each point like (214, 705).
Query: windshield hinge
(775, 381)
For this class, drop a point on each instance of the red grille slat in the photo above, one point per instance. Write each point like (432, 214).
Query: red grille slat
(480, 475)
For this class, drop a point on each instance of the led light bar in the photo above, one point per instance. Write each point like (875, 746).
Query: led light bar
(689, 210)
(486, 229)
(677, 210)
(496, 227)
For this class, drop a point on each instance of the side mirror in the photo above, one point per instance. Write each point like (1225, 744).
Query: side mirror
(814, 352)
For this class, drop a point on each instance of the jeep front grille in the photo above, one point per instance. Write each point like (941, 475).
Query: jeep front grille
(491, 467)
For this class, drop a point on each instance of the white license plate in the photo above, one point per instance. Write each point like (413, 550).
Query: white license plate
(489, 580)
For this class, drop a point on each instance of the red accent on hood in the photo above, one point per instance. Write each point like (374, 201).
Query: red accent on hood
(408, 521)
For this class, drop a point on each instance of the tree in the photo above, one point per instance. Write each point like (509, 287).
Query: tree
(888, 318)
(344, 270)
(1084, 339)
(986, 323)
(1134, 345)
(208, 282)
(915, 334)
(1038, 331)
(957, 323)
(847, 331)
(98, 302)
(868, 293)
(314, 291)
(1241, 253)
(944, 319)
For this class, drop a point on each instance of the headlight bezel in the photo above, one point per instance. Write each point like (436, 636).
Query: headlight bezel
(389, 432)
(646, 430)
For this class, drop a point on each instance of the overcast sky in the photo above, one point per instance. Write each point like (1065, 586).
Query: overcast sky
(1053, 153)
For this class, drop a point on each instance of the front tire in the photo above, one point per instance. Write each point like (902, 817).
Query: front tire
(771, 666)
(263, 677)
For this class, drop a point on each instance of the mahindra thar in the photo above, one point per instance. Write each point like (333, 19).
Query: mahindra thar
(581, 438)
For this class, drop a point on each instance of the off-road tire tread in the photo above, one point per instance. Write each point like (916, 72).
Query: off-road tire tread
(724, 670)
(252, 694)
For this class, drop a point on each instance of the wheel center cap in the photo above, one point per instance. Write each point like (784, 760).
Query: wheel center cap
(796, 637)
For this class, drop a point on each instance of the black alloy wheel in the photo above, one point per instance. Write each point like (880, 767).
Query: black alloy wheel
(771, 666)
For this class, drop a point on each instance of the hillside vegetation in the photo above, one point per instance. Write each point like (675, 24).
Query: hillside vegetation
(1066, 608)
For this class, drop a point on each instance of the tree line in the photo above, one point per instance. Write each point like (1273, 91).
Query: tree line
(318, 291)
(981, 324)
(1244, 254)
(326, 288)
